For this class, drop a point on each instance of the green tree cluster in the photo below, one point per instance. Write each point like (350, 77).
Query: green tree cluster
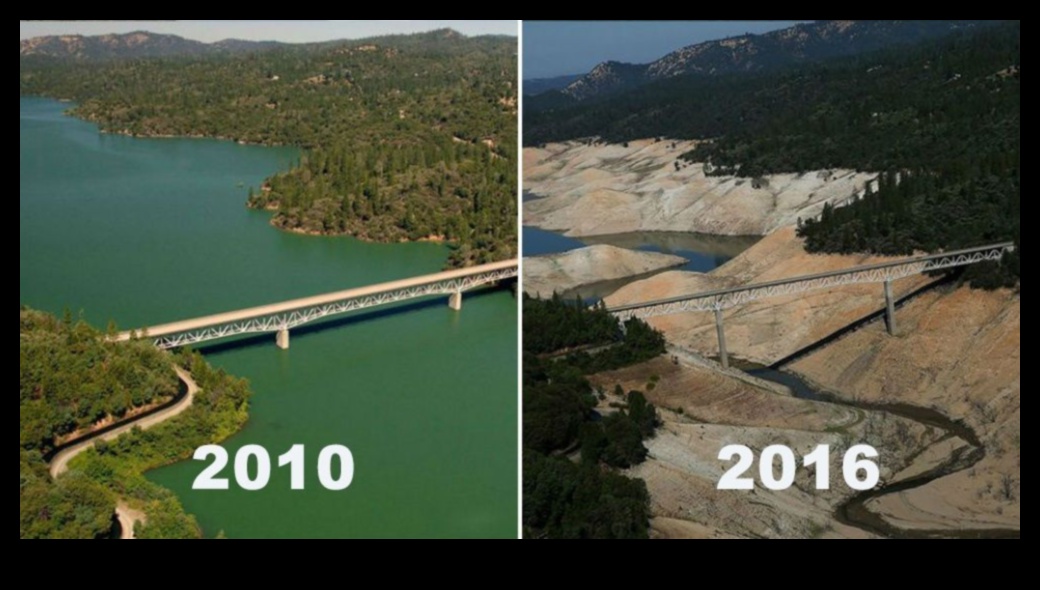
(404, 137)
(943, 117)
(582, 499)
(71, 376)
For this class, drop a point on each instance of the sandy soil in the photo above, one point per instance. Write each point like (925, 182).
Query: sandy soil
(585, 266)
(605, 189)
(972, 372)
(957, 351)
(703, 410)
(766, 330)
(128, 517)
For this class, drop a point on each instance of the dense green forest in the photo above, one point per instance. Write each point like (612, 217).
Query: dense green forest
(70, 377)
(405, 137)
(943, 118)
(565, 498)
(923, 211)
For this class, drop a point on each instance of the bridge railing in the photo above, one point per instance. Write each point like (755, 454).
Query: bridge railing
(720, 299)
(280, 317)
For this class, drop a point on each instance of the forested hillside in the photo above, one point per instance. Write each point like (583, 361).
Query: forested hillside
(804, 43)
(941, 120)
(564, 496)
(135, 45)
(71, 379)
(405, 137)
(61, 389)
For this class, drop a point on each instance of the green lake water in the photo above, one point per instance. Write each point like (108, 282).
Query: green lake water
(146, 231)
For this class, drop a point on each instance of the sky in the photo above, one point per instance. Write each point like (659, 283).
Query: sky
(557, 48)
(299, 31)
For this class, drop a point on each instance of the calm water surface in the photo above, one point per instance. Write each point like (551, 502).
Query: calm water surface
(144, 231)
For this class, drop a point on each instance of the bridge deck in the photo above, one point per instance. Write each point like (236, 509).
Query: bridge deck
(317, 300)
(719, 293)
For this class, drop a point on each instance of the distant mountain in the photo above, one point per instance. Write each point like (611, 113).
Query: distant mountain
(803, 43)
(535, 86)
(139, 44)
(403, 137)
(242, 46)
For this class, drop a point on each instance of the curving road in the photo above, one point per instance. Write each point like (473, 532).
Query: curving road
(60, 461)
(127, 518)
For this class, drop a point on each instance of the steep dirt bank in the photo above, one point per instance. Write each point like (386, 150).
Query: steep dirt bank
(585, 266)
(604, 189)
(703, 410)
(769, 329)
(957, 352)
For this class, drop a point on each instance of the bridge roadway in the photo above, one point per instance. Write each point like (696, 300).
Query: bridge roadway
(281, 317)
(884, 272)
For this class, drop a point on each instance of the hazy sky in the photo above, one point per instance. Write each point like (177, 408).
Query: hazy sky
(556, 48)
(267, 30)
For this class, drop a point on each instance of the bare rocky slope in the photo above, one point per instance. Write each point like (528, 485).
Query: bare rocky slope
(642, 186)
(703, 410)
(562, 272)
(957, 351)
(766, 330)
(802, 43)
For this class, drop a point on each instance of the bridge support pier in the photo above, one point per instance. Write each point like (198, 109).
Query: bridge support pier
(890, 308)
(455, 300)
(721, 331)
(282, 339)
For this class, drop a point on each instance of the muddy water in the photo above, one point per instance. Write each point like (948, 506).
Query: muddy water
(853, 512)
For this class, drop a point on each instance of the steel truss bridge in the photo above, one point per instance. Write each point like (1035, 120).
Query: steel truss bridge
(279, 318)
(718, 300)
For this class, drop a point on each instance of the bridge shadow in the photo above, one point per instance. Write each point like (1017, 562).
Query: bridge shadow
(946, 279)
(353, 318)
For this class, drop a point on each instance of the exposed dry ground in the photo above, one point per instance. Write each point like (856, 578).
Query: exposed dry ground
(128, 517)
(585, 266)
(769, 329)
(957, 351)
(607, 189)
(703, 411)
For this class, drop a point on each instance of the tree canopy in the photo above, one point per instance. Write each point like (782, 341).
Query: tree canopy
(73, 379)
(583, 498)
(404, 137)
(939, 121)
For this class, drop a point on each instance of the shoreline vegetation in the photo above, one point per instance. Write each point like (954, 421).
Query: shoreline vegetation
(413, 138)
(939, 123)
(574, 453)
(403, 138)
(82, 501)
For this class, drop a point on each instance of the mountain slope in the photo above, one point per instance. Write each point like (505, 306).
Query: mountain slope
(803, 43)
(940, 120)
(406, 137)
(535, 86)
(136, 45)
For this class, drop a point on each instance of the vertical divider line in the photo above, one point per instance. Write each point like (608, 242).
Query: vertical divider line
(519, 279)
